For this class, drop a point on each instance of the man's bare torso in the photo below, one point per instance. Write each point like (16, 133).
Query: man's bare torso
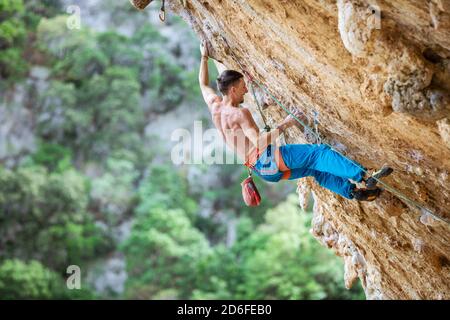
(228, 121)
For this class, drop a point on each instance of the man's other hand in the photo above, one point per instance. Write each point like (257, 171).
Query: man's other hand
(291, 119)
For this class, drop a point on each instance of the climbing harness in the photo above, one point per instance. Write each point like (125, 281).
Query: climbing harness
(398, 193)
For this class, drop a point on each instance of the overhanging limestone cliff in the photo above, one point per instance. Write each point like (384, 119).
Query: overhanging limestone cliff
(378, 73)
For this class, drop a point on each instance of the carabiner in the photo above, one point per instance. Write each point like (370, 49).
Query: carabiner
(162, 11)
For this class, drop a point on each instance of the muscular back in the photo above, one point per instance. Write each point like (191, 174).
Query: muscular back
(236, 126)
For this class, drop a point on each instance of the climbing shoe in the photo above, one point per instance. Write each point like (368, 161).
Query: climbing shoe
(366, 194)
(371, 182)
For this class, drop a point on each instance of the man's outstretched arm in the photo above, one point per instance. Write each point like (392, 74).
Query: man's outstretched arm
(209, 95)
(262, 140)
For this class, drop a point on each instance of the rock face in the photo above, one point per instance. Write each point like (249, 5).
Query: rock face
(378, 75)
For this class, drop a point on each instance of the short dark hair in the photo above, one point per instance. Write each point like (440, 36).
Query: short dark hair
(228, 78)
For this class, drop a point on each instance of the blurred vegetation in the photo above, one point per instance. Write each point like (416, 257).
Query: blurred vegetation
(93, 169)
(12, 39)
(44, 217)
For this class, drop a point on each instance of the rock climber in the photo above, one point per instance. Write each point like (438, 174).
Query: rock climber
(291, 161)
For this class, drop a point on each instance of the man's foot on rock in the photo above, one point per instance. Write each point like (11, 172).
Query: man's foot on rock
(371, 182)
(366, 194)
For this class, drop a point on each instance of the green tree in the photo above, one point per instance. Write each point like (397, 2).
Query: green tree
(58, 119)
(12, 38)
(101, 117)
(218, 275)
(163, 187)
(164, 246)
(20, 280)
(35, 10)
(43, 217)
(162, 252)
(112, 194)
(119, 50)
(290, 264)
(111, 102)
(162, 74)
(166, 83)
(54, 157)
(44, 8)
(73, 54)
(32, 280)
(278, 260)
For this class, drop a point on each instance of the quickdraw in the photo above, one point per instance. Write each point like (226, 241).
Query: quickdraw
(162, 11)
(142, 4)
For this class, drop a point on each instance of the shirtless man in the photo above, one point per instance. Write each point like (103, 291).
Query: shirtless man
(271, 163)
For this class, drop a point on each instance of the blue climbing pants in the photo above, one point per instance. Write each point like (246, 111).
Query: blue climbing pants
(330, 169)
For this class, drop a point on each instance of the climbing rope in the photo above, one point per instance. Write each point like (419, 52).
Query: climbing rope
(398, 193)
(266, 126)
(316, 127)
